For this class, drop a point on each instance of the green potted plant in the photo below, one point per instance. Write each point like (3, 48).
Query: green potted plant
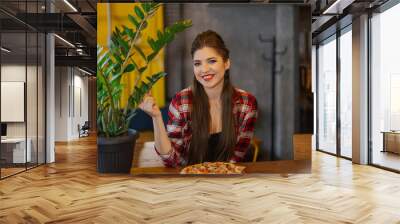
(115, 140)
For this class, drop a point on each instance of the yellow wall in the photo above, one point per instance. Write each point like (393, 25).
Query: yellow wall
(117, 14)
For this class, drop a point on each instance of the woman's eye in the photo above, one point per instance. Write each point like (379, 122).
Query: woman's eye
(196, 64)
(212, 61)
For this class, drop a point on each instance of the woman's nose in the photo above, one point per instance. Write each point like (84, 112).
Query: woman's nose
(204, 68)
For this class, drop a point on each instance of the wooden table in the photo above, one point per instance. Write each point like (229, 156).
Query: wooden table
(391, 141)
(13, 150)
(280, 166)
(147, 162)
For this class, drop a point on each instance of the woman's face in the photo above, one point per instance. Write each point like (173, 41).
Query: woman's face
(209, 67)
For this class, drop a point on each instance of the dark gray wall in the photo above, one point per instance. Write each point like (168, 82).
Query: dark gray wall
(241, 26)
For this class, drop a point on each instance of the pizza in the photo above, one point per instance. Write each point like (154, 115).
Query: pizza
(213, 168)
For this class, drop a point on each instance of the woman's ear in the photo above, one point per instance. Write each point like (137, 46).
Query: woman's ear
(227, 64)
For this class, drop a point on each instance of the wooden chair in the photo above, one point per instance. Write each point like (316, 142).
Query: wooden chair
(254, 149)
(302, 146)
(83, 130)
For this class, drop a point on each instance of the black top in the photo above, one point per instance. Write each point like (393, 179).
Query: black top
(212, 152)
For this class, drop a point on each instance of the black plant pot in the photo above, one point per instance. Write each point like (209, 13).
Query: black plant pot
(115, 155)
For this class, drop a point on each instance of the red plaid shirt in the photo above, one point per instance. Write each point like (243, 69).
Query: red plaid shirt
(180, 134)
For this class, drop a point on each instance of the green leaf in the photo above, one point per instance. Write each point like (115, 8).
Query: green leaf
(121, 131)
(118, 46)
(109, 70)
(146, 7)
(169, 37)
(123, 44)
(117, 32)
(152, 56)
(141, 70)
(99, 49)
(140, 52)
(150, 78)
(116, 77)
(159, 35)
(134, 63)
(133, 21)
(129, 32)
(158, 76)
(129, 68)
(137, 89)
(105, 58)
(104, 125)
(158, 45)
(151, 42)
(131, 115)
(179, 26)
(145, 87)
(101, 80)
(155, 6)
(117, 58)
(122, 53)
(139, 12)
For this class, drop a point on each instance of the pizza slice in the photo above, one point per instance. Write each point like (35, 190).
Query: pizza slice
(213, 168)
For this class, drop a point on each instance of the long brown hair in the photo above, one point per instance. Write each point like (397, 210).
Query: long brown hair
(200, 114)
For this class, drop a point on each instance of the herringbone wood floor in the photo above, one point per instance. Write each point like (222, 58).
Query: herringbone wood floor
(70, 191)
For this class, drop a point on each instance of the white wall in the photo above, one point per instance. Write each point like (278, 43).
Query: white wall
(50, 96)
(71, 94)
(33, 127)
(80, 110)
(61, 103)
(314, 90)
(360, 90)
(12, 73)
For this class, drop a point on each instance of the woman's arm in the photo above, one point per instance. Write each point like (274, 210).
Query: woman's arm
(162, 142)
(169, 143)
(246, 128)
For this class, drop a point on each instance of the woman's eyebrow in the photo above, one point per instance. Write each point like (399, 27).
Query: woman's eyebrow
(206, 59)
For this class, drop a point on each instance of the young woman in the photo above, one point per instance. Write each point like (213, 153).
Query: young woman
(210, 120)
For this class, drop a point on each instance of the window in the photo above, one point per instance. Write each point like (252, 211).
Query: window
(327, 96)
(385, 88)
(346, 93)
(330, 132)
(22, 74)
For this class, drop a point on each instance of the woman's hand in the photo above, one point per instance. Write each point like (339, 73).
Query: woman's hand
(149, 106)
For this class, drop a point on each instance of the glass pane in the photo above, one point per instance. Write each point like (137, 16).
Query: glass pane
(31, 100)
(13, 85)
(385, 86)
(22, 63)
(41, 99)
(346, 94)
(327, 96)
(31, 84)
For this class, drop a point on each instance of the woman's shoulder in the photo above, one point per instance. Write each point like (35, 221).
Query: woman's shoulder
(182, 102)
(184, 96)
(244, 97)
(185, 92)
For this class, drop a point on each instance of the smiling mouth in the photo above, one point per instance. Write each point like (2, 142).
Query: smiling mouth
(208, 77)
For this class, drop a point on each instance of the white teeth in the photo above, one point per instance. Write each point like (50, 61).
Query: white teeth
(207, 77)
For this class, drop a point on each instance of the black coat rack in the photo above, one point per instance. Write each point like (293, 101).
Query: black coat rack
(275, 72)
